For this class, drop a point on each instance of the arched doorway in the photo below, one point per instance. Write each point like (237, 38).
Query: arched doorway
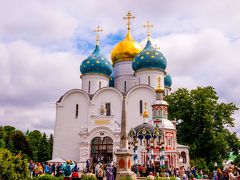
(184, 157)
(102, 149)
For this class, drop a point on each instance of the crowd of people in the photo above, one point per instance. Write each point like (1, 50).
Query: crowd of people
(70, 169)
(67, 169)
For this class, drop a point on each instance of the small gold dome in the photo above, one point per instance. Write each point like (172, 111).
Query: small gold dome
(126, 49)
(145, 114)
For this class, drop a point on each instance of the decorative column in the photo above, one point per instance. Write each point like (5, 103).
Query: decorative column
(123, 154)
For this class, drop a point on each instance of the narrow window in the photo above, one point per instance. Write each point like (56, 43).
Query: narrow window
(149, 80)
(108, 109)
(125, 86)
(141, 107)
(138, 80)
(76, 111)
(89, 86)
(100, 84)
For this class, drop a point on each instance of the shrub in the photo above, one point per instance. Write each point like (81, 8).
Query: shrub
(47, 177)
(88, 177)
(12, 167)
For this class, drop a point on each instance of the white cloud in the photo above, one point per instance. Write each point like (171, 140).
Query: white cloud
(35, 21)
(39, 62)
(31, 80)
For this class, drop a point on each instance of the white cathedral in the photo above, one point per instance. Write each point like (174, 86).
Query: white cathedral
(88, 120)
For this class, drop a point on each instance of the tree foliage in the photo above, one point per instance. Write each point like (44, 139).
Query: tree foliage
(12, 167)
(34, 138)
(32, 145)
(237, 160)
(203, 123)
(44, 152)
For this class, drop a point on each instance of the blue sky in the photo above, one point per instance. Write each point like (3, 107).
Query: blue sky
(42, 44)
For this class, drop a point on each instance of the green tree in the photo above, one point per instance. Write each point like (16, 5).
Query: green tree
(237, 160)
(44, 153)
(12, 167)
(21, 144)
(6, 133)
(50, 141)
(35, 138)
(203, 122)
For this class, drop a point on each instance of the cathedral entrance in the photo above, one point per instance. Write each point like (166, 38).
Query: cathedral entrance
(102, 149)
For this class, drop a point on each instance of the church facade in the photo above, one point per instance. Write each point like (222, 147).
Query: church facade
(88, 119)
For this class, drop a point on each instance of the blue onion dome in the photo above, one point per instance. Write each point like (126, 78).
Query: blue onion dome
(96, 63)
(150, 58)
(167, 80)
(111, 81)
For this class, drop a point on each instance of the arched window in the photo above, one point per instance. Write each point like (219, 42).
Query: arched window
(89, 87)
(108, 109)
(140, 107)
(125, 86)
(76, 111)
(184, 157)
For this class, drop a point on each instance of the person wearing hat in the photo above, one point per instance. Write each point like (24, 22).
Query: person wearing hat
(67, 169)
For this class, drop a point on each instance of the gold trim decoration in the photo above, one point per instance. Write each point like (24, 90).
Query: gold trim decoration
(102, 121)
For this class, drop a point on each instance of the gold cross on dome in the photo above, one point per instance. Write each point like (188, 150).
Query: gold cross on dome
(128, 17)
(148, 26)
(97, 31)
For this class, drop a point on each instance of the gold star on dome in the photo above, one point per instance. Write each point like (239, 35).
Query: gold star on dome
(97, 31)
(148, 27)
(128, 17)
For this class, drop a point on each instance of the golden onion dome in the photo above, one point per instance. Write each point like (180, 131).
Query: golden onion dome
(126, 49)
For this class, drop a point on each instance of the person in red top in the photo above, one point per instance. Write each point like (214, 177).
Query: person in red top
(75, 174)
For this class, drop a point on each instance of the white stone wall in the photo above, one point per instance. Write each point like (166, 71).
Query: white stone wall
(123, 72)
(141, 92)
(95, 80)
(67, 126)
(143, 77)
(106, 95)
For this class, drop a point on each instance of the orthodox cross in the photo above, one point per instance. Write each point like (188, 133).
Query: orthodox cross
(97, 31)
(128, 17)
(148, 27)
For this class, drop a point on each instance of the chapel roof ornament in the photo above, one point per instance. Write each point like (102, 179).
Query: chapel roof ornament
(148, 26)
(97, 31)
(128, 18)
(128, 48)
